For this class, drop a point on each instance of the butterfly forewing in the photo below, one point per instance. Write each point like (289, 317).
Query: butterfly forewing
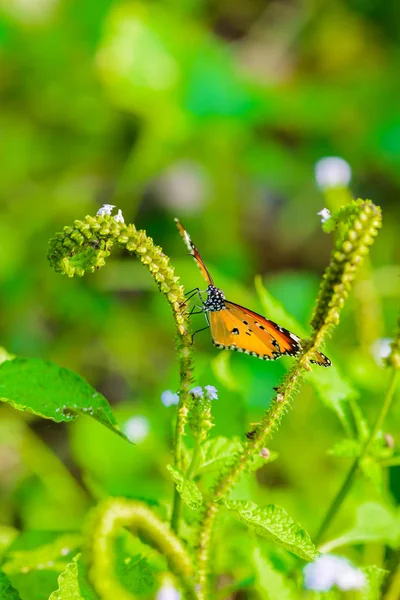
(194, 252)
(241, 329)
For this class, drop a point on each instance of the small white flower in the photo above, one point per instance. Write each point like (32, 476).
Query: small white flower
(197, 392)
(325, 214)
(332, 171)
(212, 392)
(137, 429)
(169, 398)
(168, 592)
(106, 209)
(380, 349)
(119, 217)
(329, 570)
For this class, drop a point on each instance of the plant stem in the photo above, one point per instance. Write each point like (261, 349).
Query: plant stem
(342, 493)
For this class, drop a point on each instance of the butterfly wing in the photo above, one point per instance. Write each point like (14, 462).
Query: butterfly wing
(239, 328)
(194, 252)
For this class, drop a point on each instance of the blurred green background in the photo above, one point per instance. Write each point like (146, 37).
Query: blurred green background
(216, 112)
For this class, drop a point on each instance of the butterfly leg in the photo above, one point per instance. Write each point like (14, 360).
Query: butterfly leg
(190, 295)
(203, 328)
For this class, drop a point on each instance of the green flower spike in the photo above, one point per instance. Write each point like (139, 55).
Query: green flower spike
(108, 520)
(83, 248)
(358, 223)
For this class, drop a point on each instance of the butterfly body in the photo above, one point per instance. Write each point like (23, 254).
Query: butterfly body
(235, 327)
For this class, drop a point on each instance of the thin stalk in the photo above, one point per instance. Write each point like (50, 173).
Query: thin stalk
(348, 482)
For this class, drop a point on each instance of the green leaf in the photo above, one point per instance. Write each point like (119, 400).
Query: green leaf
(7, 591)
(374, 523)
(271, 584)
(52, 392)
(189, 491)
(216, 452)
(346, 449)
(135, 574)
(73, 583)
(48, 556)
(274, 523)
(375, 578)
(331, 386)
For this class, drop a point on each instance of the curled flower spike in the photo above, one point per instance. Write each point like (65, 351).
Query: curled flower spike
(329, 571)
(106, 521)
(83, 248)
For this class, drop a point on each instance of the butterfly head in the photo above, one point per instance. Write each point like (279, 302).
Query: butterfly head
(215, 299)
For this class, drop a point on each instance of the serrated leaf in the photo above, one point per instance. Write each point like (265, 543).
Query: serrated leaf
(135, 574)
(274, 523)
(49, 556)
(52, 392)
(271, 584)
(331, 386)
(189, 491)
(374, 523)
(7, 591)
(216, 452)
(73, 583)
(375, 578)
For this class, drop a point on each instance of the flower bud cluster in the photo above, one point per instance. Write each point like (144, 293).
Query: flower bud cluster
(364, 221)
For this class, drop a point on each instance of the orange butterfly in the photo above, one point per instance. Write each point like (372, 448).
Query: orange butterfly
(235, 327)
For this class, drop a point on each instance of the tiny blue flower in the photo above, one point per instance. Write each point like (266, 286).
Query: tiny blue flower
(119, 217)
(106, 209)
(325, 214)
(212, 392)
(169, 398)
(168, 592)
(137, 429)
(197, 392)
(329, 570)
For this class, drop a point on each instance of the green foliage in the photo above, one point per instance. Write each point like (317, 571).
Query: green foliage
(6, 589)
(52, 392)
(73, 583)
(189, 491)
(216, 113)
(273, 523)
